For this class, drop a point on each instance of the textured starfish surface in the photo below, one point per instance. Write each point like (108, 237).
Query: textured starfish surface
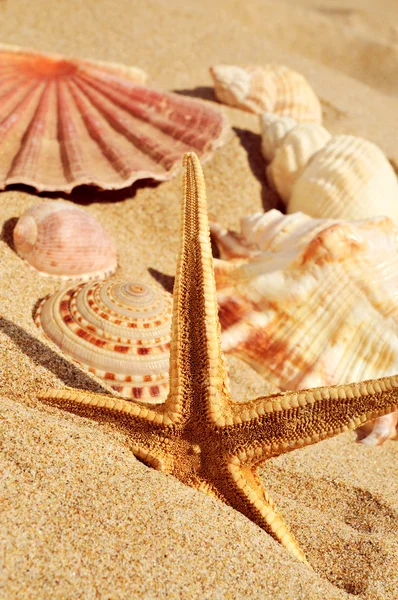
(199, 434)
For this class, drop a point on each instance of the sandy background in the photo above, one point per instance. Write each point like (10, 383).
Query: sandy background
(80, 516)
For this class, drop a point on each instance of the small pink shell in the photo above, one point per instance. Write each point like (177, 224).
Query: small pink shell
(59, 240)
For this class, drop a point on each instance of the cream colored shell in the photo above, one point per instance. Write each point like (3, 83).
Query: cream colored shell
(273, 130)
(310, 302)
(340, 177)
(64, 242)
(349, 178)
(118, 330)
(292, 156)
(272, 88)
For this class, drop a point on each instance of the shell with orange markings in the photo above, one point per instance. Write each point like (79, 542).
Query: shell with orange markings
(118, 330)
(66, 122)
(339, 177)
(63, 242)
(272, 89)
(310, 302)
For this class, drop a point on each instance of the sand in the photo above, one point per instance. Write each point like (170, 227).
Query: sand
(80, 516)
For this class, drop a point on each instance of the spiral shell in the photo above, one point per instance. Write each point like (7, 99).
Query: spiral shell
(63, 242)
(291, 157)
(349, 178)
(118, 330)
(272, 89)
(340, 177)
(311, 302)
(273, 130)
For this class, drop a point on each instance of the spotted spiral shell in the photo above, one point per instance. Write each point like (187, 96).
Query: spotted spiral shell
(119, 330)
(63, 242)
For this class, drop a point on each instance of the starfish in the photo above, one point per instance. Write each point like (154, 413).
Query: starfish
(199, 434)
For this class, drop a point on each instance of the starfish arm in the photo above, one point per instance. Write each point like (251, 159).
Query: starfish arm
(197, 366)
(282, 422)
(255, 503)
(139, 411)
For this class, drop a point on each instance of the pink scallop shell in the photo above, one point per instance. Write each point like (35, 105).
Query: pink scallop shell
(67, 122)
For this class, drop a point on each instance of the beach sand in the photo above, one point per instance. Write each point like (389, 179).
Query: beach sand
(81, 518)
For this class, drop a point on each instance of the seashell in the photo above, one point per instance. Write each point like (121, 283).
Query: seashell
(310, 302)
(118, 330)
(273, 130)
(292, 156)
(376, 432)
(349, 178)
(63, 242)
(271, 89)
(66, 122)
(340, 177)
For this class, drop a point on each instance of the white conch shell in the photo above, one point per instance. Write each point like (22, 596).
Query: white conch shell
(349, 178)
(292, 156)
(340, 177)
(310, 302)
(119, 330)
(272, 88)
(273, 130)
(63, 242)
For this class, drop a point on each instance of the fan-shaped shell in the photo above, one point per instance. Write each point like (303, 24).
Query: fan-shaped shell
(272, 88)
(66, 122)
(119, 330)
(59, 240)
(314, 303)
(349, 178)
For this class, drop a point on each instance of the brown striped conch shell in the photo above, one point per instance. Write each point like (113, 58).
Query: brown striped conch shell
(271, 89)
(118, 330)
(339, 177)
(309, 302)
(61, 241)
(66, 122)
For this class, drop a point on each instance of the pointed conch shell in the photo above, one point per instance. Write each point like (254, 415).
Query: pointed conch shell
(340, 177)
(310, 302)
(291, 157)
(273, 130)
(349, 178)
(272, 89)
(67, 122)
(118, 330)
(63, 242)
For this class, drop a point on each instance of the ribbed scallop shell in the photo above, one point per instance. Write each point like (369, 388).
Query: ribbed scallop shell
(119, 330)
(66, 122)
(272, 89)
(61, 241)
(315, 301)
(349, 178)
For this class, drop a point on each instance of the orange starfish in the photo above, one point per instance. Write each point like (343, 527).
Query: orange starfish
(199, 434)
